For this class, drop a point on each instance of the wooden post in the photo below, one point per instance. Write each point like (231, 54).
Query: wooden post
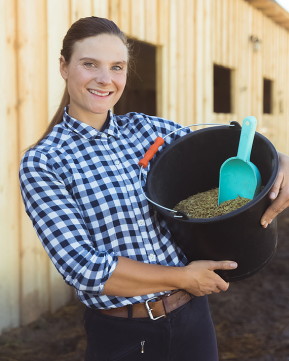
(9, 189)
(32, 90)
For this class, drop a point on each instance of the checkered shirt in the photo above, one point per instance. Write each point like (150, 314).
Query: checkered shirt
(81, 189)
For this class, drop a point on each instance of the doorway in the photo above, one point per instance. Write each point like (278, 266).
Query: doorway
(140, 92)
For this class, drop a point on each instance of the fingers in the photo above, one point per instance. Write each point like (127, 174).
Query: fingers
(222, 286)
(202, 278)
(276, 187)
(277, 206)
(213, 285)
(279, 193)
(272, 212)
(221, 265)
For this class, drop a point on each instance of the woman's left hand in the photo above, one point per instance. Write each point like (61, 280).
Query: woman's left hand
(279, 193)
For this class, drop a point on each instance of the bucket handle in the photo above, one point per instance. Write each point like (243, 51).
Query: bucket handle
(143, 163)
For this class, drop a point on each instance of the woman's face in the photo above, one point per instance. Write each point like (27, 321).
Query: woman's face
(96, 77)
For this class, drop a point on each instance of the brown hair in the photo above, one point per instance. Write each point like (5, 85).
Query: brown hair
(81, 29)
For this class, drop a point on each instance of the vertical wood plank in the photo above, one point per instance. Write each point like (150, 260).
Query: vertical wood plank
(100, 8)
(179, 90)
(189, 53)
(235, 35)
(9, 192)
(172, 61)
(57, 26)
(207, 63)
(80, 9)
(244, 64)
(151, 24)
(217, 32)
(199, 46)
(162, 20)
(114, 11)
(230, 27)
(224, 31)
(32, 90)
(162, 57)
(256, 65)
(124, 21)
(285, 95)
(138, 22)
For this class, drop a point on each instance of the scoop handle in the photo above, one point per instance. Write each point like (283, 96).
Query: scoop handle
(247, 137)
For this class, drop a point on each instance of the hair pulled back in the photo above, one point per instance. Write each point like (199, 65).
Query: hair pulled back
(81, 29)
(86, 27)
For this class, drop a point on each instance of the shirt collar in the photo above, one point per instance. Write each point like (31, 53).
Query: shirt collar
(88, 132)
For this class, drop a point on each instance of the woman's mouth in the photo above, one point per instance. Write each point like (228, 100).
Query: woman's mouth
(99, 93)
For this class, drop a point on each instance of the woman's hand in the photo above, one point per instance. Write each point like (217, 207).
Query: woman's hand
(133, 278)
(279, 193)
(202, 280)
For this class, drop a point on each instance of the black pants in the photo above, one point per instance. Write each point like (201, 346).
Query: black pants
(187, 334)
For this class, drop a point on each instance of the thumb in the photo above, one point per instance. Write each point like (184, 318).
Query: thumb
(222, 265)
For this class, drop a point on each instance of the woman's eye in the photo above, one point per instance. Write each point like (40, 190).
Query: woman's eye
(117, 67)
(88, 65)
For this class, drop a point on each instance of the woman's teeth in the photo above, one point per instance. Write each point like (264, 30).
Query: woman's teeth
(101, 94)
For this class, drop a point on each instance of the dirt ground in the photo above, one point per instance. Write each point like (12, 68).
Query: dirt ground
(252, 320)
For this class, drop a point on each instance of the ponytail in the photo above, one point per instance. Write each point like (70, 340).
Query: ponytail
(57, 118)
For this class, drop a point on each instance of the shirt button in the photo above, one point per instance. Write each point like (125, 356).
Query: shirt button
(117, 162)
(129, 187)
(141, 222)
(152, 257)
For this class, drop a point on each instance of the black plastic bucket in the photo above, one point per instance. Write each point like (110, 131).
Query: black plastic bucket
(191, 165)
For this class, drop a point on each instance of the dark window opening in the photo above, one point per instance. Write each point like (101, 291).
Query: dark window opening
(140, 92)
(267, 96)
(222, 89)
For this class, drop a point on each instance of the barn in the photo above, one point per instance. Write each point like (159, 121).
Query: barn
(196, 61)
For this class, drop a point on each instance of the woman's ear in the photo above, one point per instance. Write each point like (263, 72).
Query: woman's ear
(63, 67)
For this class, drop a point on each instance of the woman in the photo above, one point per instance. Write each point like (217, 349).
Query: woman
(80, 185)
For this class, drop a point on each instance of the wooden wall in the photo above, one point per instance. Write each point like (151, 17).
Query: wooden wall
(190, 36)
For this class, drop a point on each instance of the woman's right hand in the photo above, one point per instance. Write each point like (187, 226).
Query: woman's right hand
(201, 279)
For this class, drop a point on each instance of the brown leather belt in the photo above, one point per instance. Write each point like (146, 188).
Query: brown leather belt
(161, 307)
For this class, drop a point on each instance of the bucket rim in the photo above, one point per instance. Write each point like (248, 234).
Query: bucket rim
(263, 193)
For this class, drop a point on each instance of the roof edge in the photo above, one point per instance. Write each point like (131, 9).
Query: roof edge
(272, 10)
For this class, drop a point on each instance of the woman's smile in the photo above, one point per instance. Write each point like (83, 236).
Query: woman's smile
(99, 93)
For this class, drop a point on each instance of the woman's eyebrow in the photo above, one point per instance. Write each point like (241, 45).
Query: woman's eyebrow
(96, 60)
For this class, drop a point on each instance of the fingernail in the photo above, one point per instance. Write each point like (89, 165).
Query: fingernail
(272, 195)
(233, 265)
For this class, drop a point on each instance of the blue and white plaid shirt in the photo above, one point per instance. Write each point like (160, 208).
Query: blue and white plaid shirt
(81, 190)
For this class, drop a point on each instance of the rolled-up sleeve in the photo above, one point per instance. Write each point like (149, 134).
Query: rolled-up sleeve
(59, 224)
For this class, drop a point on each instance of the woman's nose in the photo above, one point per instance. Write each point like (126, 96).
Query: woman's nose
(103, 76)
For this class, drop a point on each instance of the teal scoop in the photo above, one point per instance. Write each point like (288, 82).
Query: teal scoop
(238, 176)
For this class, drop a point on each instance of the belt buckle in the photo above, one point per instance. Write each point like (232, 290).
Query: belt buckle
(151, 309)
